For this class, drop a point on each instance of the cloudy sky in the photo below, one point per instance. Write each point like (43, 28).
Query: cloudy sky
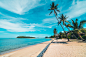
(31, 17)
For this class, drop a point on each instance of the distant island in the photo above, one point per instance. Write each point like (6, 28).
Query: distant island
(24, 37)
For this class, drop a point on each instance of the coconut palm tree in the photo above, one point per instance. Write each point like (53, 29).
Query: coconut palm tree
(77, 26)
(55, 32)
(63, 19)
(54, 8)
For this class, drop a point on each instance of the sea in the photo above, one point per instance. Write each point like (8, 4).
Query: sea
(11, 44)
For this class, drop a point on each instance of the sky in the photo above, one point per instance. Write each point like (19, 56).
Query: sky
(31, 17)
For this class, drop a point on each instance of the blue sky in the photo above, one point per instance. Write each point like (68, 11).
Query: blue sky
(31, 17)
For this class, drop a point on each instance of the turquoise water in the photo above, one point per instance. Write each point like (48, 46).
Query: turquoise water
(7, 44)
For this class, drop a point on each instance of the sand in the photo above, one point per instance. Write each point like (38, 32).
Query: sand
(58, 48)
(31, 51)
(62, 48)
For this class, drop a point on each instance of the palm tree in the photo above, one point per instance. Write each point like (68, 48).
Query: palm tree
(63, 19)
(77, 26)
(55, 32)
(54, 8)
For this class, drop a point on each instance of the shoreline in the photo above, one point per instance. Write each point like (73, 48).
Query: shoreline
(10, 52)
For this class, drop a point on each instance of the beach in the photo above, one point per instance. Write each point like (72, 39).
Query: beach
(57, 48)
(31, 51)
(62, 48)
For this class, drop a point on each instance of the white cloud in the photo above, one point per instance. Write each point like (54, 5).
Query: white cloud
(50, 27)
(53, 0)
(73, 2)
(19, 6)
(40, 25)
(12, 19)
(15, 27)
(22, 27)
(0, 13)
(50, 20)
(1, 31)
(13, 24)
(77, 9)
(62, 31)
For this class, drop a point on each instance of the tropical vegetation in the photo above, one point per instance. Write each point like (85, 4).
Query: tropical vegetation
(76, 26)
(77, 32)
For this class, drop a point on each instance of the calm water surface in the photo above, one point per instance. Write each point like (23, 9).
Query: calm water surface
(7, 44)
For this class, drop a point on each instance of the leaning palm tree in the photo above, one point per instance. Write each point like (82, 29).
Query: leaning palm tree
(63, 19)
(54, 8)
(77, 26)
(55, 32)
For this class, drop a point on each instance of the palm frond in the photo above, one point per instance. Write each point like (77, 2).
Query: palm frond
(59, 22)
(63, 22)
(52, 4)
(65, 17)
(49, 9)
(55, 12)
(67, 21)
(81, 23)
(69, 25)
(50, 12)
(56, 5)
(73, 22)
(76, 20)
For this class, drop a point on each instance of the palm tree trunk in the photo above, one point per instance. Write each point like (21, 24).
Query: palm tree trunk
(72, 33)
(54, 35)
(80, 36)
(62, 28)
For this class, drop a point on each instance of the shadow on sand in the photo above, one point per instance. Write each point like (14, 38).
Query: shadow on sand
(82, 41)
(60, 42)
(77, 40)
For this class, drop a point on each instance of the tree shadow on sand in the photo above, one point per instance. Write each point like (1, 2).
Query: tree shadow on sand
(77, 40)
(60, 42)
(81, 41)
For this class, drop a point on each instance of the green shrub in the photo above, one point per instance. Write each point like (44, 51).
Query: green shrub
(84, 37)
(68, 37)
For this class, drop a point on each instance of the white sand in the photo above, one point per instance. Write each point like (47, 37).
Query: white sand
(72, 49)
(31, 51)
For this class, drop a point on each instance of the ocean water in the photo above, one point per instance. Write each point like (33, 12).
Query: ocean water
(7, 44)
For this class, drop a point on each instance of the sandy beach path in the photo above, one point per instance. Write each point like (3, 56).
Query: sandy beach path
(31, 51)
(62, 48)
